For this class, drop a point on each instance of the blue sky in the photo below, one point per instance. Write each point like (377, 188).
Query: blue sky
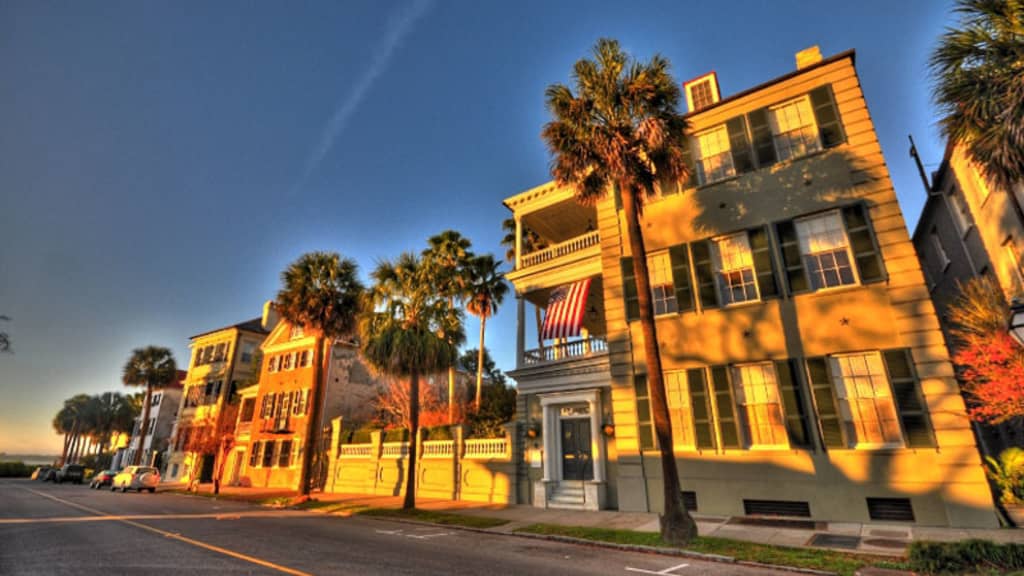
(161, 163)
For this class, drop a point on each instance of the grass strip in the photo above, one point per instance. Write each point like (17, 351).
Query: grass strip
(842, 563)
(445, 518)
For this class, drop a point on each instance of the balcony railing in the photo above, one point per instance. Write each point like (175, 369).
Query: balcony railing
(575, 349)
(561, 249)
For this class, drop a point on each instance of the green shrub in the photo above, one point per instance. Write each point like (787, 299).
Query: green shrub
(443, 432)
(965, 556)
(1008, 473)
(15, 470)
(357, 436)
(396, 435)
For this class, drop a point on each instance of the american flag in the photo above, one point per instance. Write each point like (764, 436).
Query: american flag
(566, 306)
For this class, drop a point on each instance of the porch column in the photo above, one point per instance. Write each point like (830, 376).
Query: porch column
(520, 330)
(550, 447)
(519, 241)
(596, 441)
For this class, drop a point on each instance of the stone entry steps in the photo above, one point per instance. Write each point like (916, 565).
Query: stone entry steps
(567, 496)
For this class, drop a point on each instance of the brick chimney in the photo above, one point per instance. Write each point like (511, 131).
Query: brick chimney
(808, 56)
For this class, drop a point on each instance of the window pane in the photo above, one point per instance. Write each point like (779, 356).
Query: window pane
(735, 267)
(714, 159)
(866, 400)
(678, 393)
(757, 394)
(794, 129)
(825, 251)
(663, 292)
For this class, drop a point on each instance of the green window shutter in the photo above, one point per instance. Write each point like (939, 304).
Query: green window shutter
(906, 391)
(824, 393)
(680, 258)
(792, 260)
(826, 113)
(739, 144)
(862, 241)
(793, 405)
(691, 164)
(697, 383)
(761, 130)
(728, 424)
(629, 292)
(705, 270)
(645, 429)
(764, 264)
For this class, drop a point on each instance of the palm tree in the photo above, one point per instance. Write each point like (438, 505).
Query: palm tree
(448, 252)
(621, 130)
(530, 242)
(152, 367)
(486, 290)
(408, 330)
(66, 422)
(320, 292)
(978, 70)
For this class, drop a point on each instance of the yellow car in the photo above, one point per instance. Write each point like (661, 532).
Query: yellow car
(136, 478)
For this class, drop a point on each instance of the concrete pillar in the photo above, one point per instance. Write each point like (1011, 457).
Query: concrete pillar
(519, 242)
(458, 451)
(520, 329)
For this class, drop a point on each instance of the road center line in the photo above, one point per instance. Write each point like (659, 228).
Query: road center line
(178, 537)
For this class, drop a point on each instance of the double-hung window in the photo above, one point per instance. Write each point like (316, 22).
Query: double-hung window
(958, 207)
(273, 363)
(681, 414)
(268, 454)
(304, 359)
(734, 264)
(757, 393)
(793, 129)
(826, 251)
(255, 456)
(865, 400)
(287, 363)
(714, 158)
(663, 292)
(284, 454)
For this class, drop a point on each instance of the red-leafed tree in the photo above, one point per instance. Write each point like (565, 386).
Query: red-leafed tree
(214, 435)
(989, 361)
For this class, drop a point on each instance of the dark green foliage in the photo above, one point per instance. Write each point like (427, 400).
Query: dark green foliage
(15, 470)
(443, 432)
(321, 290)
(497, 406)
(395, 435)
(965, 556)
(356, 436)
(978, 68)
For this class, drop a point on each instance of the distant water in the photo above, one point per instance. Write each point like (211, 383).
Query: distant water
(29, 459)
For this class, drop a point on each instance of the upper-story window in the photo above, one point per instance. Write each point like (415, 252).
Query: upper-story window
(757, 394)
(942, 259)
(663, 292)
(207, 354)
(248, 410)
(958, 207)
(155, 401)
(248, 349)
(287, 361)
(734, 264)
(825, 250)
(714, 160)
(221, 352)
(793, 129)
(296, 332)
(865, 400)
(303, 358)
(273, 363)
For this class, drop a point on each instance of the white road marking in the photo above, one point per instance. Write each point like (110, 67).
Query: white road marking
(661, 572)
(425, 536)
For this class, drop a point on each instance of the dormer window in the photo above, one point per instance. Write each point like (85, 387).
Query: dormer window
(702, 92)
(296, 333)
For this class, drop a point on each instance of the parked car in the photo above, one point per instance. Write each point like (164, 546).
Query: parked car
(41, 472)
(136, 478)
(104, 478)
(70, 473)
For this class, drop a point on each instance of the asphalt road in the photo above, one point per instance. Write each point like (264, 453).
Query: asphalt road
(65, 529)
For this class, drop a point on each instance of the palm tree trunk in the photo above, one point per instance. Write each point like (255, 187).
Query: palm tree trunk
(677, 527)
(480, 361)
(67, 445)
(540, 326)
(313, 428)
(74, 442)
(451, 380)
(414, 427)
(144, 427)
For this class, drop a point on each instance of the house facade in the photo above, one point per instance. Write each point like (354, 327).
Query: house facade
(804, 364)
(970, 228)
(163, 411)
(222, 362)
(273, 429)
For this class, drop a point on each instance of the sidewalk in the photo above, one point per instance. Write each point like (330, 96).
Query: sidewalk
(875, 538)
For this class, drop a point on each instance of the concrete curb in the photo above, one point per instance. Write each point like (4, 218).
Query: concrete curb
(615, 546)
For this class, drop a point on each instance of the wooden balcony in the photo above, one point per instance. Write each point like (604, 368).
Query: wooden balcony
(571, 246)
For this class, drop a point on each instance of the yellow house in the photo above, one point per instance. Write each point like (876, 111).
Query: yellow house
(222, 362)
(804, 363)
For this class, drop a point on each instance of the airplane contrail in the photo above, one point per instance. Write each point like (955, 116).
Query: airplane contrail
(400, 24)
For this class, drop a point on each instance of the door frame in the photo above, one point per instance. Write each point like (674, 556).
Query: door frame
(551, 405)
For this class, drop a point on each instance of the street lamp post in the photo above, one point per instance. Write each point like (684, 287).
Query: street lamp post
(1017, 320)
